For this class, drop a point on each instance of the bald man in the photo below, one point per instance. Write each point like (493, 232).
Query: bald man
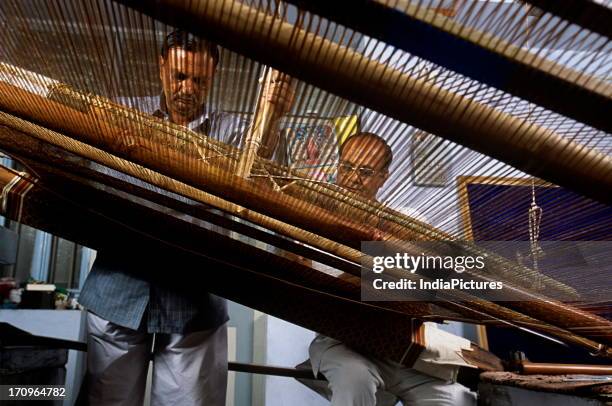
(359, 380)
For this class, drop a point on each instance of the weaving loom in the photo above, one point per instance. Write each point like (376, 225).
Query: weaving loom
(513, 90)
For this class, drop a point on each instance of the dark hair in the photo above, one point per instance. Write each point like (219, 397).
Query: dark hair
(189, 42)
(377, 138)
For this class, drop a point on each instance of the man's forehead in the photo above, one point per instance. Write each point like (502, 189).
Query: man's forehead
(183, 58)
(364, 149)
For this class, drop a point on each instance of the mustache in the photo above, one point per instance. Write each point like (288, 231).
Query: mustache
(184, 97)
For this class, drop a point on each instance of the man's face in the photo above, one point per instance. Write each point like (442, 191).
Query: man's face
(362, 166)
(186, 78)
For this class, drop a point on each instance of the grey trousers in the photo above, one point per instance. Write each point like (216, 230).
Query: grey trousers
(187, 369)
(355, 380)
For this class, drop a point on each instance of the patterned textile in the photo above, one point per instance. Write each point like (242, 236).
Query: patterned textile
(14, 193)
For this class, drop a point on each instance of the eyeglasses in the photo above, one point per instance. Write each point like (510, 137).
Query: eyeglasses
(363, 172)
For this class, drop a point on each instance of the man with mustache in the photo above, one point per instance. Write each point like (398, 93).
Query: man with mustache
(356, 379)
(125, 308)
(187, 74)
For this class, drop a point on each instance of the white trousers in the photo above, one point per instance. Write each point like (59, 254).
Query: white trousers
(355, 380)
(187, 369)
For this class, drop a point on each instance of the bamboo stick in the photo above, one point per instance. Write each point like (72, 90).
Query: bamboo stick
(264, 114)
(536, 368)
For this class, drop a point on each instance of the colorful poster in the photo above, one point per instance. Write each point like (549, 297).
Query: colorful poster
(313, 148)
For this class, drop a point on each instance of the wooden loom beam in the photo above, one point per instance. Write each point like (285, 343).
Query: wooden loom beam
(74, 220)
(526, 146)
(475, 307)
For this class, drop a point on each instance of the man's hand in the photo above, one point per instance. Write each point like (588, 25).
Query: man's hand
(279, 91)
(125, 143)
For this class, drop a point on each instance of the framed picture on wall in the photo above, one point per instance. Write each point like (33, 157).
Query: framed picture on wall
(312, 147)
(497, 209)
(312, 144)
